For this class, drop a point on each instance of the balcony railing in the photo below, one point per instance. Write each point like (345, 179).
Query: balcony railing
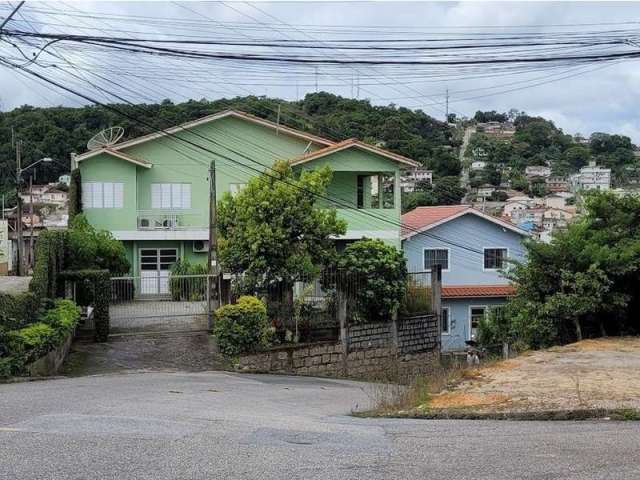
(169, 220)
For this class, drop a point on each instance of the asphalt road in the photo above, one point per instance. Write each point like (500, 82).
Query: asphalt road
(217, 425)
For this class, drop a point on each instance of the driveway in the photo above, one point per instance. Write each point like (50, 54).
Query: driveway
(164, 425)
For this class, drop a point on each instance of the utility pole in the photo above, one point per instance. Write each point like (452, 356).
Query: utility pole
(19, 207)
(213, 268)
(31, 225)
(446, 115)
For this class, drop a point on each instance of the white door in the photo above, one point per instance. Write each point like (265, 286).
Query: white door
(155, 264)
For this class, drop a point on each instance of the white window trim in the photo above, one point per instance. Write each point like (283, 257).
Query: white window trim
(167, 191)
(448, 257)
(448, 330)
(471, 307)
(88, 194)
(484, 249)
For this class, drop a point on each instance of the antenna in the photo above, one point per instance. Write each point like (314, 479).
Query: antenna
(105, 138)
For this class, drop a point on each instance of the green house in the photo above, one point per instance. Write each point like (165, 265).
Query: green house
(152, 192)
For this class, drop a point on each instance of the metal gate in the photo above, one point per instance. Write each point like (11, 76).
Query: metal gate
(148, 303)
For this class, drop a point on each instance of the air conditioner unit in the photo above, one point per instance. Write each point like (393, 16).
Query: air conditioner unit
(144, 222)
(200, 246)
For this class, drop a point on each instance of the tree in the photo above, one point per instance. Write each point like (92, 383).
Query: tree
(444, 163)
(586, 282)
(447, 191)
(274, 231)
(379, 272)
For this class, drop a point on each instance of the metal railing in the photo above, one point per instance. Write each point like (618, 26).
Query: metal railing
(167, 220)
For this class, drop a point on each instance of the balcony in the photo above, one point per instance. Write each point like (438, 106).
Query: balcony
(169, 220)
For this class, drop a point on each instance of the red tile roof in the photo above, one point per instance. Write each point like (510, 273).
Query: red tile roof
(466, 291)
(422, 217)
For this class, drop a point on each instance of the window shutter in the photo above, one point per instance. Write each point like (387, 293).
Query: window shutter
(176, 195)
(166, 195)
(156, 195)
(118, 195)
(97, 195)
(107, 189)
(186, 196)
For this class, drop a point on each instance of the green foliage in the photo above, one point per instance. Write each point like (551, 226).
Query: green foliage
(491, 116)
(75, 195)
(379, 273)
(417, 300)
(586, 282)
(96, 285)
(17, 311)
(445, 191)
(189, 288)
(88, 248)
(242, 327)
(25, 345)
(275, 231)
(49, 260)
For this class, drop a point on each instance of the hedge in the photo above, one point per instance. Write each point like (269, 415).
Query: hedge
(75, 195)
(17, 311)
(97, 293)
(29, 343)
(49, 260)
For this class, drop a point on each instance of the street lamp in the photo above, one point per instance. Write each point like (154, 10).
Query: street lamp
(19, 171)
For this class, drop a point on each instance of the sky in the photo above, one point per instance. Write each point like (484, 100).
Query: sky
(605, 99)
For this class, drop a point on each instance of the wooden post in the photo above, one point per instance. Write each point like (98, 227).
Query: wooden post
(394, 331)
(436, 299)
(505, 351)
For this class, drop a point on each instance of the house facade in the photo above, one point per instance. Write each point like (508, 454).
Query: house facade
(474, 250)
(591, 177)
(152, 192)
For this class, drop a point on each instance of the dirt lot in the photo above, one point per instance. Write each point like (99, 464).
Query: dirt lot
(592, 374)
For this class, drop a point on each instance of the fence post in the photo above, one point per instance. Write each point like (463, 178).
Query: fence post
(344, 332)
(505, 351)
(209, 304)
(394, 331)
(436, 299)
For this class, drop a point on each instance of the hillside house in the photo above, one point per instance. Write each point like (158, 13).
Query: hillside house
(152, 192)
(537, 171)
(410, 178)
(591, 177)
(474, 250)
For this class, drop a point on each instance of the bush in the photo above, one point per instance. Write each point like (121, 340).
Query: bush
(75, 195)
(49, 261)
(379, 274)
(88, 248)
(190, 289)
(242, 327)
(17, 311)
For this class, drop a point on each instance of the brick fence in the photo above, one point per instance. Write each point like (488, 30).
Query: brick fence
(371, 350)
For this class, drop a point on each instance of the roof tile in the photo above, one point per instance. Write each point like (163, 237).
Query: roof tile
(466, 291)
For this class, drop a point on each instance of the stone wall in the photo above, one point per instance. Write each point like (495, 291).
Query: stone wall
(370, 353)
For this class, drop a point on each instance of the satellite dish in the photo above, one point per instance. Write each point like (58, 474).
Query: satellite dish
(105, 138)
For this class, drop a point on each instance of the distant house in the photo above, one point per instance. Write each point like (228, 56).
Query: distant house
(485, 190)
(555, 201)
(44, 194)
(473, 249)
(591, 177)
(557, 184)
(410, 178)
(512, 207)
(537, 171)
(478, 165)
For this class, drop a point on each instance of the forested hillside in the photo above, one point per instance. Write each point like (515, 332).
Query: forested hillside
(55, 132)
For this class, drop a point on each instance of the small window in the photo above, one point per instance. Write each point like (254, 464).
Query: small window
(436, 256)
(445, 321)
(102, 195)
(477, 315)
(171, 195)
(495, 258)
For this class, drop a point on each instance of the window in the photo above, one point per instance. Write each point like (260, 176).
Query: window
(171, 195)
(445, 321)
(102, 195)
(234, 188)
(495, 258)
(376, 191)
(436, 256)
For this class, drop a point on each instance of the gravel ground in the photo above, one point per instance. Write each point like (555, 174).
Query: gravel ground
(592, 374)
(230, 426)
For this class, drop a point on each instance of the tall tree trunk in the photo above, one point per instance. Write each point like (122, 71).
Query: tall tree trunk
(576, 322)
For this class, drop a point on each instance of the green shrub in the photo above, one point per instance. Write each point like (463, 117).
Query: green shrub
(242, 327)
(75, 195)
(190, 289)
(49, 261)
(17, 311)
(63, 317)
(376, 274)
(32, 342)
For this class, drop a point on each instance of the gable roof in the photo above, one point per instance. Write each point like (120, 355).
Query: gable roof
(466, 291)
(211, 118)
(353, 143)
(421, 219)
(115, 153)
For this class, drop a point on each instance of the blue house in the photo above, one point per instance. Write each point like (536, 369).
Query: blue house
(474, 250)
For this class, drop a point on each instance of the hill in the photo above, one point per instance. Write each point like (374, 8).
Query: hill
(57, 131)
